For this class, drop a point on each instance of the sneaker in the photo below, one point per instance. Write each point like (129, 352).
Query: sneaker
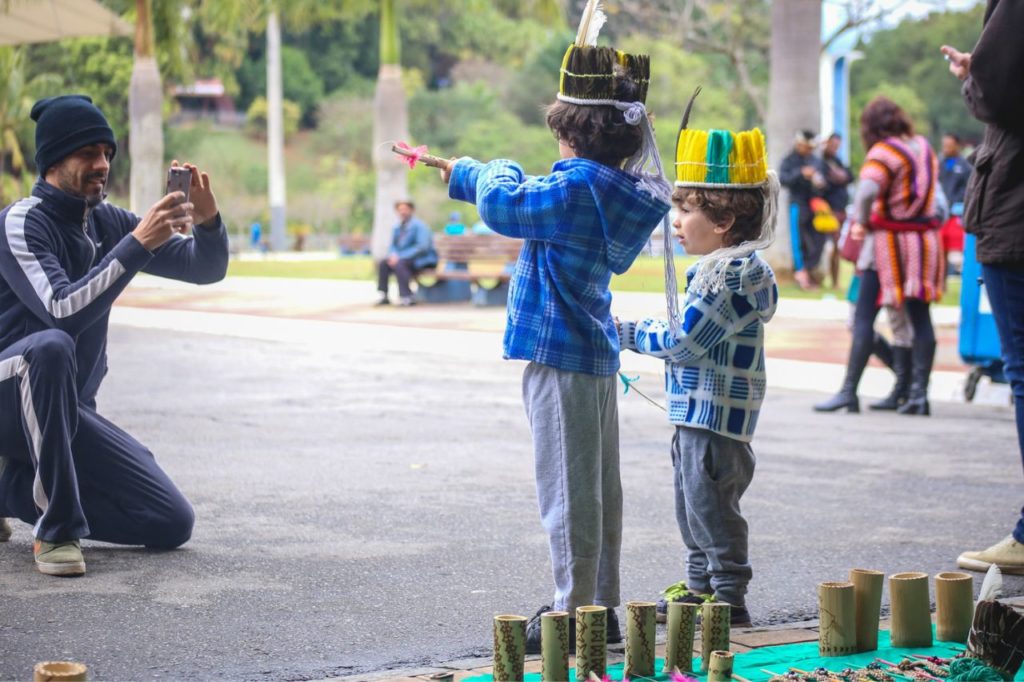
(5, 530)
(614, 635)
(739, 617)
(533, 634)
(406, 301)
(59, 558)
(678, 592)
(1008, 555)
(383, 299)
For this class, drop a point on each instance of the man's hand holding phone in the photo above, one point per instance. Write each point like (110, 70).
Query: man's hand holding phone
(198, 194)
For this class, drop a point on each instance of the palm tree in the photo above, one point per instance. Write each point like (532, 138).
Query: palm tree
(391, 116)
(145, 114)
(16, 98)
(390, 123)
(794, 100)
(275, 136)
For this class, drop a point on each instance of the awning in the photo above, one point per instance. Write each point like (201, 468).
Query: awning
(39, 21)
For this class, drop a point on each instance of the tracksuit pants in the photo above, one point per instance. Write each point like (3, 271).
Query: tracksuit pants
(67, 470)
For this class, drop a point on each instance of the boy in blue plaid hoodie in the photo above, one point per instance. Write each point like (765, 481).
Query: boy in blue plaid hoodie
(587, 219)
(714, 354)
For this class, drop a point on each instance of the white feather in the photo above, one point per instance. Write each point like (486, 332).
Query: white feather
(992, 586)
(591, 23)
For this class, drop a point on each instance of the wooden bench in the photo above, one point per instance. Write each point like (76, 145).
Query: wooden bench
(471, 267)
(354, 244)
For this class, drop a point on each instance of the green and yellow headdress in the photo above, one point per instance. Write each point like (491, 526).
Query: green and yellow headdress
(587, 78)
(721, 158)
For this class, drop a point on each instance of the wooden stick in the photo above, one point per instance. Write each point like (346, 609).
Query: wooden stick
(426, 159)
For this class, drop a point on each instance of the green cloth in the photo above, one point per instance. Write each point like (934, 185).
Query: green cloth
(804, 656)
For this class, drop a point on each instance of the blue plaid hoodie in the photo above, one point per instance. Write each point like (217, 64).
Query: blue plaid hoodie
(714, 367)
(579, 224)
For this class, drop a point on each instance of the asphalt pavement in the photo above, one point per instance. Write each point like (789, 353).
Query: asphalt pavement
(365, 502)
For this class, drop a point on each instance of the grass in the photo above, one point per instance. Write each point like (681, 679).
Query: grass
(646, 275)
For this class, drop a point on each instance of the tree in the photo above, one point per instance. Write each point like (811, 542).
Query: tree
(17, 94)
(391, 123)
(794, 102)
(145, 106)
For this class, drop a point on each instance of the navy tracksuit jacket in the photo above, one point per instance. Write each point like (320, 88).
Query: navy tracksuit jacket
(67, 470)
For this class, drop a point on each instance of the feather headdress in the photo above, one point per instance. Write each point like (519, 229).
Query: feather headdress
(588, 71)
(721, 159)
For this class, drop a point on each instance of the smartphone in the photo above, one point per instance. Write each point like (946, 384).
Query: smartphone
(179, 180)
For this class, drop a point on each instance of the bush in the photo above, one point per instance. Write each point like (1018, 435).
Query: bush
(256, 118)
(301, 84)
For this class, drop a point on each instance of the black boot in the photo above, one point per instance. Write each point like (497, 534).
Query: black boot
(860, 351)
(901, 389)
(923, 355)
(881, 349)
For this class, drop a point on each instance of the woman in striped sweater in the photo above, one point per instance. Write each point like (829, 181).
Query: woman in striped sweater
(897, 211)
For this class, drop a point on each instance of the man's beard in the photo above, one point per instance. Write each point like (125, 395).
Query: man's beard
(67, 183)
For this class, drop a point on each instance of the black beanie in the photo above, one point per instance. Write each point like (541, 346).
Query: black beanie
(64, 125)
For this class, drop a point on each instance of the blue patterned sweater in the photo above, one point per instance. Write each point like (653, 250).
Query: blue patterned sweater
(579, 224)
(714, 367)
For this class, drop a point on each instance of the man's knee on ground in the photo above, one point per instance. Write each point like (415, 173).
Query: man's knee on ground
(172, 530)
(52, 348)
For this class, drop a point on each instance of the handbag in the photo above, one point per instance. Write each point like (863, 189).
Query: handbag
(849, 248)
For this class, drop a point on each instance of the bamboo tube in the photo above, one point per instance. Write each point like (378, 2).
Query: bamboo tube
(954, 606)
(591, 641)
(554, 646)
(640, 630)
(59, 671)
(837, 613)
(867, 596)
(682, 625)
(714, 630)
(911, 610)
(720, 667)
(509, 648)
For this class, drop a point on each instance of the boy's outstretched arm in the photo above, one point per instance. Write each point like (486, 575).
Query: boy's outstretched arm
(706, 321)
(509, 201)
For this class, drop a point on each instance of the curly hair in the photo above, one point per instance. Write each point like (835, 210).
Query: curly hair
(744, 206)
(599, 133)
(883, 118)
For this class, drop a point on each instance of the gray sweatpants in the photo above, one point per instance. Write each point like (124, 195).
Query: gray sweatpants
(575, 424)
(711, 474)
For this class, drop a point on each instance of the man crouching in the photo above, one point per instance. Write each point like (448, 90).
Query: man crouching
(65, 256)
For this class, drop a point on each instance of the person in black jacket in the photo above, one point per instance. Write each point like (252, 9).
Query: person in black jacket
(804, 175)
(994, 211)
(65, 256)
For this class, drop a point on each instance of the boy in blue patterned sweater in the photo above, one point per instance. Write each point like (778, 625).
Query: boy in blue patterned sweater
(587, 219)
(714, 353)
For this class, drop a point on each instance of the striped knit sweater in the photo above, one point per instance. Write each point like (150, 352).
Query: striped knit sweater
(714, 367)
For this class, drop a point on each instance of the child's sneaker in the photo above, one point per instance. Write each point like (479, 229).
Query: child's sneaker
(613, 636)
(59, 558)
(739, 617)
(680, 593)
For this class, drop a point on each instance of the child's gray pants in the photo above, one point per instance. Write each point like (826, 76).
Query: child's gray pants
(711, 474)
(574, 421)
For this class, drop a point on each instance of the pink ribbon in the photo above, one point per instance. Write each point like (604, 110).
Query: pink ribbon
(416, 154)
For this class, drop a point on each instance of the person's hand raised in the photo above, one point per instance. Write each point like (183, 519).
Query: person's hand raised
(959, 62)
(446, 172)
(200, 195)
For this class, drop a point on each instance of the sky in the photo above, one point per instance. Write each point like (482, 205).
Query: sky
(835, 14)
